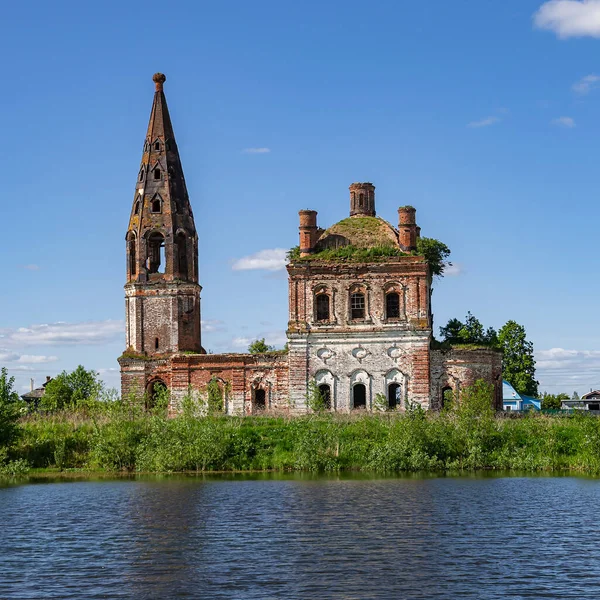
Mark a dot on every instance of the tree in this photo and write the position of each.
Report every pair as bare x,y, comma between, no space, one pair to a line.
575,396
259,346
436,254
451,332
71,389
469,332
553,401
9,409
518,365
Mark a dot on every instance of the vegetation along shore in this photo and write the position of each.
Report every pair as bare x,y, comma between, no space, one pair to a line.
121,435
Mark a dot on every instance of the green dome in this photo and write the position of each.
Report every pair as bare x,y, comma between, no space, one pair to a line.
360,232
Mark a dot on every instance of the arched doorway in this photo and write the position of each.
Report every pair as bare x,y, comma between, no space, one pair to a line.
447,396
260,400
325,391
394,391
359,396
154,391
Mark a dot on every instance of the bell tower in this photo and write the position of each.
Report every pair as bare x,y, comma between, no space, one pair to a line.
162,294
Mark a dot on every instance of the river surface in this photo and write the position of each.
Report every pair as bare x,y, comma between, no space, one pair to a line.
316,538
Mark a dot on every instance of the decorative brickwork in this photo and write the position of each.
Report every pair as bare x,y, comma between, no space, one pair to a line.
361,331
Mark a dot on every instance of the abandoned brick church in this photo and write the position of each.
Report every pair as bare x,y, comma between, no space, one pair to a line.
359,327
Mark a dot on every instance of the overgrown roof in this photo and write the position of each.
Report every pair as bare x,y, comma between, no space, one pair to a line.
360,232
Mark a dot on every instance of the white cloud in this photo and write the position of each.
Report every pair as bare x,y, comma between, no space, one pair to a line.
36,359
90,332
241,342
453,270
559,369
275,338
30,359
484,122
585,84
210,325
569,18
256,150
567,122
268,260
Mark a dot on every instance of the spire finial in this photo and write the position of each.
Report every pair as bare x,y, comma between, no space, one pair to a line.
159,79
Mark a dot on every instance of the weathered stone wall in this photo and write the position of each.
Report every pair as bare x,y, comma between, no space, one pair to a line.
240,376
374,351
460,367
167,311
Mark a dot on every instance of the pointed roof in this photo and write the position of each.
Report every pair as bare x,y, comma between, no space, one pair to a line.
160,125
161,175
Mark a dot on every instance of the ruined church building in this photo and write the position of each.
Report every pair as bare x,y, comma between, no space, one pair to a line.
356,329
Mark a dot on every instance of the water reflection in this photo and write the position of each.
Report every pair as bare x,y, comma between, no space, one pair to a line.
301,537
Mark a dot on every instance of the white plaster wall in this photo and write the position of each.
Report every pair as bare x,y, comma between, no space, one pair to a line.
372,358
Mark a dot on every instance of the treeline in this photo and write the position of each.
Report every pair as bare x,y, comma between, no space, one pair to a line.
122,436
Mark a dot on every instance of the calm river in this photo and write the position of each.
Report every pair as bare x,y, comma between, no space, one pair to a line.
268,538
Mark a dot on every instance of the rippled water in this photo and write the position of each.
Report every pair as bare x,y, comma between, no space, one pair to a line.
301,538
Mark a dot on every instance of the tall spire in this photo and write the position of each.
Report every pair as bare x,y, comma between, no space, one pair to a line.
161,206
162,291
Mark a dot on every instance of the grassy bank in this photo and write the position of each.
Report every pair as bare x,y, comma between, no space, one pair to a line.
466,438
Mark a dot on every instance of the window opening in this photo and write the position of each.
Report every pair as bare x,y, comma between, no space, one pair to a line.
137,208
447,396
359,396
361,199
132,258
157,145
182,256
156,343
393,396
141,174
156,253
157,173
156,205
392,305
260,399
357,306
322,307
325,391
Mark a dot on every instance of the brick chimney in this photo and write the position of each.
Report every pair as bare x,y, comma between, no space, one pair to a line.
362,199
407,228
308,231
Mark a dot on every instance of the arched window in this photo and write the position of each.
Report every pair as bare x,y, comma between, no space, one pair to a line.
361,199
142,174
322,307
156,208
359,396
136,210
260,400
325,391
357,305
392,305
132,254
157,145
157,173
182,259
156,248
394,396
156,344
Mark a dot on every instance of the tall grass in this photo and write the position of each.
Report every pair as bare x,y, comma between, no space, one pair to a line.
122,437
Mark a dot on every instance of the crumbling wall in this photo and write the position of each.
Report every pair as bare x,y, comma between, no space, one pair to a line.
457,368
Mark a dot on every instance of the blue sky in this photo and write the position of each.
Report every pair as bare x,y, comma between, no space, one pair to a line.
485,115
